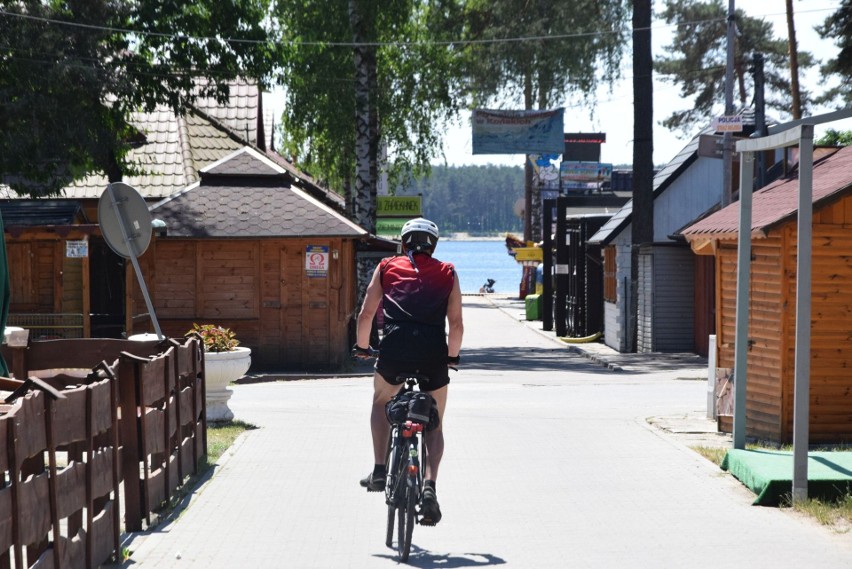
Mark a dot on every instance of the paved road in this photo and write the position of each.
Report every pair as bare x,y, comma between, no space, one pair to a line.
550,463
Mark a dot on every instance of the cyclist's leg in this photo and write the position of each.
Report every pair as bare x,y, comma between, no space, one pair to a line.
382,393
435,438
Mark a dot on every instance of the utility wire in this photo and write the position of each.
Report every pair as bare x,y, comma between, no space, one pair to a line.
349,44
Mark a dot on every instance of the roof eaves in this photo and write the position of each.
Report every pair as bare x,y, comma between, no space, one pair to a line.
174,196
306,196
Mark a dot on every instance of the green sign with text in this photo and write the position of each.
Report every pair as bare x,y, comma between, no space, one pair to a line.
398,206
390,227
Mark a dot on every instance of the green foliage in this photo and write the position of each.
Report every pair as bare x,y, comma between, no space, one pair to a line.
838,27
474,199
537,52
698,55
834,137
414,90
214,338
72,72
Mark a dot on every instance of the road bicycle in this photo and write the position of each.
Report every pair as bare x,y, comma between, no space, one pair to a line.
409,415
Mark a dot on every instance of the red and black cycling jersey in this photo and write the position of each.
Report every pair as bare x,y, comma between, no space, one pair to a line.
414,306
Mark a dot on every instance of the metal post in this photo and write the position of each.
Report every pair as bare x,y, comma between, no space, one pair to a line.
131,252
547,267
801,410
561,267
743,284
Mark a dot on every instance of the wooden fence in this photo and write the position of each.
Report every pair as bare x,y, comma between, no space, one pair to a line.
102,427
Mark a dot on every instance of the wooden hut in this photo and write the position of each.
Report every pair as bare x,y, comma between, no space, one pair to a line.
54,269
772,305
247,249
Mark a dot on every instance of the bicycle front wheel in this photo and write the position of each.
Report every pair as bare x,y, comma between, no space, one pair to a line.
408,501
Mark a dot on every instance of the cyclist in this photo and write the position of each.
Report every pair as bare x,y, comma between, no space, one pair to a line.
418,293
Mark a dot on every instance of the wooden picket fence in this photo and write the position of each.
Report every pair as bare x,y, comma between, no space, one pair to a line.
100,428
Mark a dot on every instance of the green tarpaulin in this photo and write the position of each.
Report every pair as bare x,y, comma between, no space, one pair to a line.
769,474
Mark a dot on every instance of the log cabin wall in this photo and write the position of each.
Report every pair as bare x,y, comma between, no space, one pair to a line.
49,291
261,290
831,325
772,327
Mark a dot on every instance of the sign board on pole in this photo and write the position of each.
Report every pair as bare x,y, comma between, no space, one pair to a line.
396,206
517,132
728,123
390,227
528,254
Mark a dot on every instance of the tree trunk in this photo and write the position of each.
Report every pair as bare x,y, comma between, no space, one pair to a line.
361,200
796,109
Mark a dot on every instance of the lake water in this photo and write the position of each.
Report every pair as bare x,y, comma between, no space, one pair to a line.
478,261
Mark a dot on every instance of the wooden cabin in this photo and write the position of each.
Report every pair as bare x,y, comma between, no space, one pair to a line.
56,270
247,249
772,305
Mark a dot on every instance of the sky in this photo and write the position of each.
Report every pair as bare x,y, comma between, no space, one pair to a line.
614,112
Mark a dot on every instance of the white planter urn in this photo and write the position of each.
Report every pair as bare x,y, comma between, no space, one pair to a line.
221,368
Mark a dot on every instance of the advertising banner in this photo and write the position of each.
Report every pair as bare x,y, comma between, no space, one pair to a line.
585,172
517,132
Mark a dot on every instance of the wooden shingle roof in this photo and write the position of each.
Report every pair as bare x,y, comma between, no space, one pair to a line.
777,203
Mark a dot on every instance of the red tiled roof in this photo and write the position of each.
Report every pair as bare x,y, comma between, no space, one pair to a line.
778,202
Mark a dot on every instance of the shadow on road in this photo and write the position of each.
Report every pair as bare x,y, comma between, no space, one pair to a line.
426,560
528,359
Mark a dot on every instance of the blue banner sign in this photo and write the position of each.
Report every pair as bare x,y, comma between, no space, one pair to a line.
586,172
517,132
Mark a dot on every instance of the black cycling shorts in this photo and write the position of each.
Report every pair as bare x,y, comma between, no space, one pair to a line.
438,374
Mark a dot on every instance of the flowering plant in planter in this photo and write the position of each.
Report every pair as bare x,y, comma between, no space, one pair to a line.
215,338
225,361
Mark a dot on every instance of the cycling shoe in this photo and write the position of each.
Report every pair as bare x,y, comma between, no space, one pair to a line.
429,509
373,483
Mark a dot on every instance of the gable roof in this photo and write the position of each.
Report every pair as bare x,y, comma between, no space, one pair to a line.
662,180
778,202
246,195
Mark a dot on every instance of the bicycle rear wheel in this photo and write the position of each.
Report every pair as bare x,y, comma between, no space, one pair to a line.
407,504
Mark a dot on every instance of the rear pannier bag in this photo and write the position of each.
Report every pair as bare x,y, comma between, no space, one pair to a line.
414,406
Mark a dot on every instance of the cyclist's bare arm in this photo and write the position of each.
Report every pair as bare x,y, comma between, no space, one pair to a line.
454,318
368,310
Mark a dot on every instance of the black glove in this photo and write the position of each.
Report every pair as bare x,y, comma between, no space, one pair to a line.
453,361
360,353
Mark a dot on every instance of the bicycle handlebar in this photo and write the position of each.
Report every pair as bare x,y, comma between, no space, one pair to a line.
368,353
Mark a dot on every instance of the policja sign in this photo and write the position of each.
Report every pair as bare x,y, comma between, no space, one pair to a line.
728,123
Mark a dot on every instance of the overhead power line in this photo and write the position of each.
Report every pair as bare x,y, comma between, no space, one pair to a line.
396,43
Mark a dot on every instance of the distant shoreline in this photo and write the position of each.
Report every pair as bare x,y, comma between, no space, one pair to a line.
463,236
